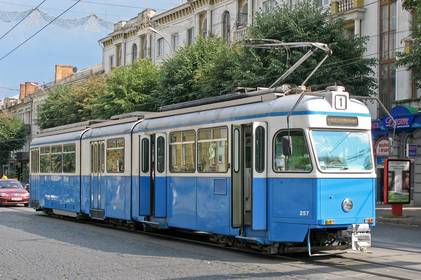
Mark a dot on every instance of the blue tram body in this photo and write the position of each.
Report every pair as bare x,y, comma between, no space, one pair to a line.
232,169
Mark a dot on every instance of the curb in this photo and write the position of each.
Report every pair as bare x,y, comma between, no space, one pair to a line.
409,221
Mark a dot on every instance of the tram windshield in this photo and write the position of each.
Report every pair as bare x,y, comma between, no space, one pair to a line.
342,150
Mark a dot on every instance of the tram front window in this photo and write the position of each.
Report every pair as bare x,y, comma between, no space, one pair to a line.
342,150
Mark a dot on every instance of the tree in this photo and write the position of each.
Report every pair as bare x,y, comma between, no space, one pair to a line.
12,135
67,104
200,70
210,67
128,89
307,22
411,58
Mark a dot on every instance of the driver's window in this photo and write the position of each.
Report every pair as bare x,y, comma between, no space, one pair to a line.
290,152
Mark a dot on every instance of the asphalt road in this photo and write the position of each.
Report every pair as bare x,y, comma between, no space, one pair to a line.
35,246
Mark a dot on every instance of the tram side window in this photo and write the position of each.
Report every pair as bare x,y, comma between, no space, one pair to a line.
45,159
212,148
35,160
260,149
160,154
115,155
145,155
69,158
183,151
56,159
295,160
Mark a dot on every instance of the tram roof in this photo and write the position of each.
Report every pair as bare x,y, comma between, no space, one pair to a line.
266,107
57,138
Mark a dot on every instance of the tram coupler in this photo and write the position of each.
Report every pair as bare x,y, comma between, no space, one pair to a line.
360,237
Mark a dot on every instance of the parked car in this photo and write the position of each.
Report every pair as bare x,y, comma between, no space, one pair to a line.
13,193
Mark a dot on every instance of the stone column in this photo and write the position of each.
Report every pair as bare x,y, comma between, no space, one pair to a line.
196,26
249,12
209,22
357,27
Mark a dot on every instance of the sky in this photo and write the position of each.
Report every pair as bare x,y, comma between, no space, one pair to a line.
67,43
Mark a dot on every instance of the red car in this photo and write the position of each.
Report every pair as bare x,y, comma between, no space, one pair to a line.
12,193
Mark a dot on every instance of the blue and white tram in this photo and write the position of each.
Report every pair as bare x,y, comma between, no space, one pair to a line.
248,169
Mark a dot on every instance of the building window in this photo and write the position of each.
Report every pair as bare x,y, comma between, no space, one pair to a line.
119,54
134,52
174,41
226,26
183,151
269,5
387,71
115,155
161,47
242,13
190,33
111,60
203,27
212,149
143,46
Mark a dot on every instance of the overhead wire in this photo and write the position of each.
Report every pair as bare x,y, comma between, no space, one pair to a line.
22,19
39,31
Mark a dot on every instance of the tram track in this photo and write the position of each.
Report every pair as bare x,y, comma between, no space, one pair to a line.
338,261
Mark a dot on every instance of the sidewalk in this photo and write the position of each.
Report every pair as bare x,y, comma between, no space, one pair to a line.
410,216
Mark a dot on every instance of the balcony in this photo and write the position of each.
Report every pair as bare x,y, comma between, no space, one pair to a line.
348,9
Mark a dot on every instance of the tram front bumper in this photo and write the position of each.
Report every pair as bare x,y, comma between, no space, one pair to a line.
360,237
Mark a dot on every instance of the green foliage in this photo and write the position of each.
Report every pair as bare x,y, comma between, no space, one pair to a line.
128,89
210,67
412,57
307,22
200,70
12,135
70,103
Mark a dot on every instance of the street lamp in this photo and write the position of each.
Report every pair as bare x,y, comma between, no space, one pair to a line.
162,35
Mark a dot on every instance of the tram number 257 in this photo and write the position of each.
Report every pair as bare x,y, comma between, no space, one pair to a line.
304,213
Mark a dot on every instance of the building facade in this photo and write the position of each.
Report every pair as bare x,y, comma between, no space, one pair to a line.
158,35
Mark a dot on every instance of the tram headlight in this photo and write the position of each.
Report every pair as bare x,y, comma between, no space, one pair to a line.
347,205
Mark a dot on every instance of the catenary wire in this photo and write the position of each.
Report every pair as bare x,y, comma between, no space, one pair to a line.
25,17
39,31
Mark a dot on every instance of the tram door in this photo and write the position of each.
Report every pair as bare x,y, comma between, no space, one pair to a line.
242,169
147,175
259,184
97,171
249,148
160,178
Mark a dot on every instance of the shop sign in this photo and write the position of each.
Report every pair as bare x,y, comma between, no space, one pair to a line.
411,150
397,181
400,122
382,147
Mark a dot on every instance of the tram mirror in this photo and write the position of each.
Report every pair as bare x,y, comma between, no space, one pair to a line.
397,181
286,146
